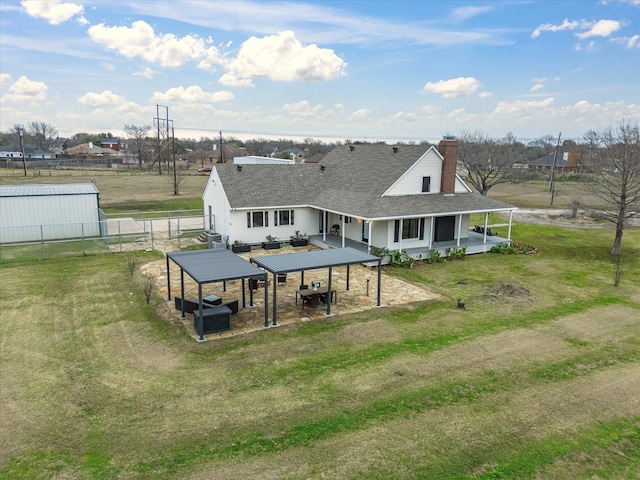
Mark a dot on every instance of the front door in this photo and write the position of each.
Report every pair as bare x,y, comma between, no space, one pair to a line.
365,231
445,228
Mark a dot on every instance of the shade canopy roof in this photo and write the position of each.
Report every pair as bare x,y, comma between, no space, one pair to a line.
296,262
214,265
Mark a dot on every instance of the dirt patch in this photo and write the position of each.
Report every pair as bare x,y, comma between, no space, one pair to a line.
507,292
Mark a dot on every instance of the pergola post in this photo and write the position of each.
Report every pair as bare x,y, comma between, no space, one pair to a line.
348,269
329,292
510,219
244,295
182,293
275,289
379,279
168,280
200,331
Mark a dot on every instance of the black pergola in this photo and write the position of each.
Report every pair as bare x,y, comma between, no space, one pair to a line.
314,260
215,265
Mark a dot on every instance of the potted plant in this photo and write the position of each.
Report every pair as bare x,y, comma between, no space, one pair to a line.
299,239
240,247
271,243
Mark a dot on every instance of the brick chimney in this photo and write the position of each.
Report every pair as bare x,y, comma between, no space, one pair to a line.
448,148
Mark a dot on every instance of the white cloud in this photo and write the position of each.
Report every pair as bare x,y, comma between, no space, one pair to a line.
53,11
302,109
232,81
430,109
548,27
140,41
4,77
454,88
537,86
628,42
282,58
464,13
145,72
101,100
108,66
522,107
360,114
25,90
602,28
192,95
404,117
485,95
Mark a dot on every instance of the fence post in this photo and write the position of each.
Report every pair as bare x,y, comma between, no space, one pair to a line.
41,242
178,234
119,236
169,226
151,225
82,227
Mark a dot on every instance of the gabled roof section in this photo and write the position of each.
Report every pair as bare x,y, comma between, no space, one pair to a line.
347,181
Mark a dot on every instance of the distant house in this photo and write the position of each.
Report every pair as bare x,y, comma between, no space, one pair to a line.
395,197
316,158
568,159
112,143
90,150
31,152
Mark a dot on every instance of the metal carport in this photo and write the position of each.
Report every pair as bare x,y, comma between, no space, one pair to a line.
314,260
215,265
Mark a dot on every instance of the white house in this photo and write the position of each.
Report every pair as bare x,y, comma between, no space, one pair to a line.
405,197
48,212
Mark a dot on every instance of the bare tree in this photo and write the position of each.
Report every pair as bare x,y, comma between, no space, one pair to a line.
42,134
488,162
138,139
616,178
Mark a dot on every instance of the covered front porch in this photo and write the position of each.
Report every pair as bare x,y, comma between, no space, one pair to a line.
474,243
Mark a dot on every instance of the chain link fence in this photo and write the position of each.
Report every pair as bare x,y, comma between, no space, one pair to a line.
113,233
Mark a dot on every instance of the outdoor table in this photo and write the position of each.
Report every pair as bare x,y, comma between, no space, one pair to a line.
212,300
312,297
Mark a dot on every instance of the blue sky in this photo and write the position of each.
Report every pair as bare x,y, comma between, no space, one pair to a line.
363,70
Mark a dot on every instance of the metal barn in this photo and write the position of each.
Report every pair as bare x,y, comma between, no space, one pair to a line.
48,212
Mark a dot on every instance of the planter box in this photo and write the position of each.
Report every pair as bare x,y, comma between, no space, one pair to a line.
299,242
270,245
240,248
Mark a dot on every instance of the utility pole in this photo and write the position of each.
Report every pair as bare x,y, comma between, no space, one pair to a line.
20,129
163,135
552,180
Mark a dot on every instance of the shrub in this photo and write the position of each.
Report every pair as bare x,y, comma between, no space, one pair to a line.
435,256
400,258
456,253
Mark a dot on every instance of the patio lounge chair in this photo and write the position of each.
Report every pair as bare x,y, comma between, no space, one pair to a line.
335,229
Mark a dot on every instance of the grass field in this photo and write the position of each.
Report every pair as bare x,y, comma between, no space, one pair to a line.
538,378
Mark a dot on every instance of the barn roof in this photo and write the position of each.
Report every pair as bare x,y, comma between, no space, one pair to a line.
48,190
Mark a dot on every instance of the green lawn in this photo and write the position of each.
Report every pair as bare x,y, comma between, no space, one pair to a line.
538,378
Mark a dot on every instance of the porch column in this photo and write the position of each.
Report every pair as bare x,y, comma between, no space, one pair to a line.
486,221
342,227
510,219
431,232
400,234
324,226
459,228
369,238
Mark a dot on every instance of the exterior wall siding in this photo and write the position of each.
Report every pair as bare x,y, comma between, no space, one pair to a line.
48,217
429,165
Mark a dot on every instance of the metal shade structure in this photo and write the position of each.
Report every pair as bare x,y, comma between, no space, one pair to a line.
315,260
214,265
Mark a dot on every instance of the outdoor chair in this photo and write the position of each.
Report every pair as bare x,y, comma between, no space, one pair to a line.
282,278
335,229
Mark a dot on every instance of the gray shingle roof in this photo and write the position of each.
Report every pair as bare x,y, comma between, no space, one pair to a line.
352,183
44,190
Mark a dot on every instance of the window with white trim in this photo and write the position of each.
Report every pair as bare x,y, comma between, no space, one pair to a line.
283,217
257,219
426,184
